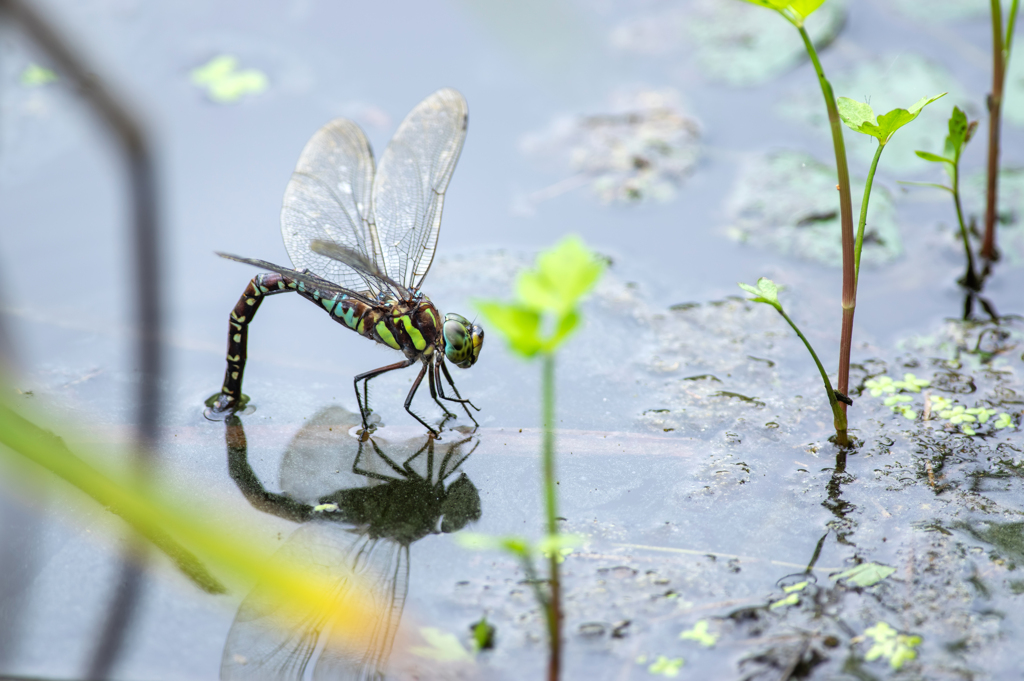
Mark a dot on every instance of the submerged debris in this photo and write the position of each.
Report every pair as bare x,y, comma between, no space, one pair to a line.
640,150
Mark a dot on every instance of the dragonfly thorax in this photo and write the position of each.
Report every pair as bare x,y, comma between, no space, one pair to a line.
462,340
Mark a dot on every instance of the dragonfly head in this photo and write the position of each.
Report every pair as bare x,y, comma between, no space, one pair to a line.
462,340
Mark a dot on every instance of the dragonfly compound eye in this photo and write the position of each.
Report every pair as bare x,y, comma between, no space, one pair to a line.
462,340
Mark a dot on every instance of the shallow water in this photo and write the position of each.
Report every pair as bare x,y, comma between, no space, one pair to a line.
693,447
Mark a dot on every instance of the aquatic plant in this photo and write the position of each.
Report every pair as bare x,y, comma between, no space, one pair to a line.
859,117
1001,44
535,325
960,133
796,12
889,644
767,292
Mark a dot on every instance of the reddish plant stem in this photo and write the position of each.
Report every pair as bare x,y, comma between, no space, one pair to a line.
995,106
846,222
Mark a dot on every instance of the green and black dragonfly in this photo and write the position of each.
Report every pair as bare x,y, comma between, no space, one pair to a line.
361,240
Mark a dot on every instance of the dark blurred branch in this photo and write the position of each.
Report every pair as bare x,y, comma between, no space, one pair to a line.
148,303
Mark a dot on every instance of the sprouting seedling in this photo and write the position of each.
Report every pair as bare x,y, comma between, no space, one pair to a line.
860,117
767,292
960,133
544,314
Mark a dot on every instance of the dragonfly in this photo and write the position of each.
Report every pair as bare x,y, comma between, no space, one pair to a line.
361,240
391,496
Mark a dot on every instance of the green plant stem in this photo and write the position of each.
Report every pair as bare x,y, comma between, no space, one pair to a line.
838,415
864,220
846,222
970,279
995,105
554,609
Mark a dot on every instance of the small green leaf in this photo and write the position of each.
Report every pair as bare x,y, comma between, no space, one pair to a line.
862,118
441,646
1003,421
766,292
890,645
483,634
794,588
519,325
566,325
476,541
563,276
801,9
934,158
35,75
882,384
791,599
865,574
805,7
855,114
224,82
958,134
700,634
663,666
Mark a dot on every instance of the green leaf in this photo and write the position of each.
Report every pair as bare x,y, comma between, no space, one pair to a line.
476,541
934,158
791,599
856,114
794,588
224,82
563,275
805,7
35,75
483,634
891,645
441,646
700,634
958,134
766,292
664,666
801,9
889,123
865,574
519,325
566,325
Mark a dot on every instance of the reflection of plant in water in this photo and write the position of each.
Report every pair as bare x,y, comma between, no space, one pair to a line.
364,529
537,323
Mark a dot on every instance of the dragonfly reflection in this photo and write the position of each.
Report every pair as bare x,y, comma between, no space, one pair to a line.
361,504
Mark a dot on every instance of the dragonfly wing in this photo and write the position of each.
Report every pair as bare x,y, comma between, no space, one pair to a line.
270,640
408,191
385,565
328,198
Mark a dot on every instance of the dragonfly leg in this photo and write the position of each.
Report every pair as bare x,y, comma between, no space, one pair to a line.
434,376
412,393
458,397
364,404
230,397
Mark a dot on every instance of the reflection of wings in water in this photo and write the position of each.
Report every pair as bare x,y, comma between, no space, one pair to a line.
261,646
386,496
